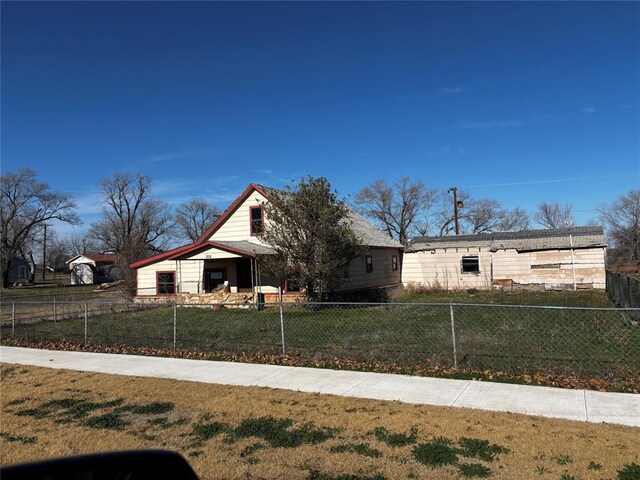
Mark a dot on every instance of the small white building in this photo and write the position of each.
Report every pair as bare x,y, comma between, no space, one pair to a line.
231,250
90,268
566,258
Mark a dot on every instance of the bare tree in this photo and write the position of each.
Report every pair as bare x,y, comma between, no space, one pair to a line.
514,220
443,215
58,251
78,244
194,217
554,215
134,225
398,208
25,205
622,221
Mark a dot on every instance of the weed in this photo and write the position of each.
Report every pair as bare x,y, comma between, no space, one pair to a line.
279,432
17,401
195,453
253,460
541,470
363,449
631,471
481,449
594,466
109,421
205,431
474,470
18,438
566,476
436,453
563,459
396,439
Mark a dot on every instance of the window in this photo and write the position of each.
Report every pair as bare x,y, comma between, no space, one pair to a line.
394,263
256,220
292,285
471,264
166,283
368,261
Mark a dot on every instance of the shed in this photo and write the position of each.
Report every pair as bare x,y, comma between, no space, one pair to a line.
19,271
564,258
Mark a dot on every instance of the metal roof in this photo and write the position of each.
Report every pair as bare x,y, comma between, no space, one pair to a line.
246,246
526,240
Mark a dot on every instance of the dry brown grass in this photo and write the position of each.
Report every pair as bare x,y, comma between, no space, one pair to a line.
536,446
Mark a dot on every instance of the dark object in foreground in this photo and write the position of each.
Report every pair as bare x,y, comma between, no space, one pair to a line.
125,465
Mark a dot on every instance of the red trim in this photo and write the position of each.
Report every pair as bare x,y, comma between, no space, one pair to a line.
231,209
160,256
173,272
251,209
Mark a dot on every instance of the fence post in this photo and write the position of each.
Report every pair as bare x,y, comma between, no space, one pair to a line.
86,322
13,319
175,323
281,320
55,314
453,337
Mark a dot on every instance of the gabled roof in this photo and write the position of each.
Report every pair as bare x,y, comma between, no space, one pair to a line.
96,257
232,208
365,231
526,240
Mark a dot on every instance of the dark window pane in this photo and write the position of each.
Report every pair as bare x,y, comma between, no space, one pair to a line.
256,220
470,264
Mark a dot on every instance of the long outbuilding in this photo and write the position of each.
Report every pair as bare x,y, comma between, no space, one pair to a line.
564,258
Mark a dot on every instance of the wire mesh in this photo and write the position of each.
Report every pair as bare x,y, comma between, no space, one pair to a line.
600,343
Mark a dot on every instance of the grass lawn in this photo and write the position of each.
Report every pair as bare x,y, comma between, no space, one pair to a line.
241,432
601,344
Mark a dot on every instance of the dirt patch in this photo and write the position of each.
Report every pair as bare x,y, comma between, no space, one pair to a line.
243,432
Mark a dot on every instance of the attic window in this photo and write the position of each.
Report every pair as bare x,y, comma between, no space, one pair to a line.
256,220
471,264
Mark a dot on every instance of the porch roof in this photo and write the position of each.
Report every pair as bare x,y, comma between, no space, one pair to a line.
242,248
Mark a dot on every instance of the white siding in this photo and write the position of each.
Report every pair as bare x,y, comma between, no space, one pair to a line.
442,268
237,226
382,274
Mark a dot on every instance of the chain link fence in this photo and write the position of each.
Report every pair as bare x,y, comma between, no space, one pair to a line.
596,342
624,289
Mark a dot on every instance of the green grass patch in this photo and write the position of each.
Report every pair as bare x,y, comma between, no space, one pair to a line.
164,422
396,439
109,421
201,432
594,466
630,471
363,449
18,438
280,432
436,453
481,449
469,470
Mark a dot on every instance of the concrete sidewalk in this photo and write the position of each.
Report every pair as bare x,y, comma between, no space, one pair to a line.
583,405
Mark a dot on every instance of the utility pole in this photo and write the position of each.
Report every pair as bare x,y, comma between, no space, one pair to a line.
455,208
44,254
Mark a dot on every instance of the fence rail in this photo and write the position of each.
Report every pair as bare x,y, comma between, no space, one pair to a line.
598,342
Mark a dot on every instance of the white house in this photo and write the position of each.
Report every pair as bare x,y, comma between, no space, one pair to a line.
230,251
565,258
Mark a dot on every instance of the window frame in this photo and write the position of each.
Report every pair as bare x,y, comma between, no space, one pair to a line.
368,263
175,283
394,263
288,290
462,264
251,220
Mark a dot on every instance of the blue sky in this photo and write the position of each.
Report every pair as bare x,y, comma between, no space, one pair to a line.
522,102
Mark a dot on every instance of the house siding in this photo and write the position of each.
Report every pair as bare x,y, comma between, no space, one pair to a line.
549,268
382,274
237,226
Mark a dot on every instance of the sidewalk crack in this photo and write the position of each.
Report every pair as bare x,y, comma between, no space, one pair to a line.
460,394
